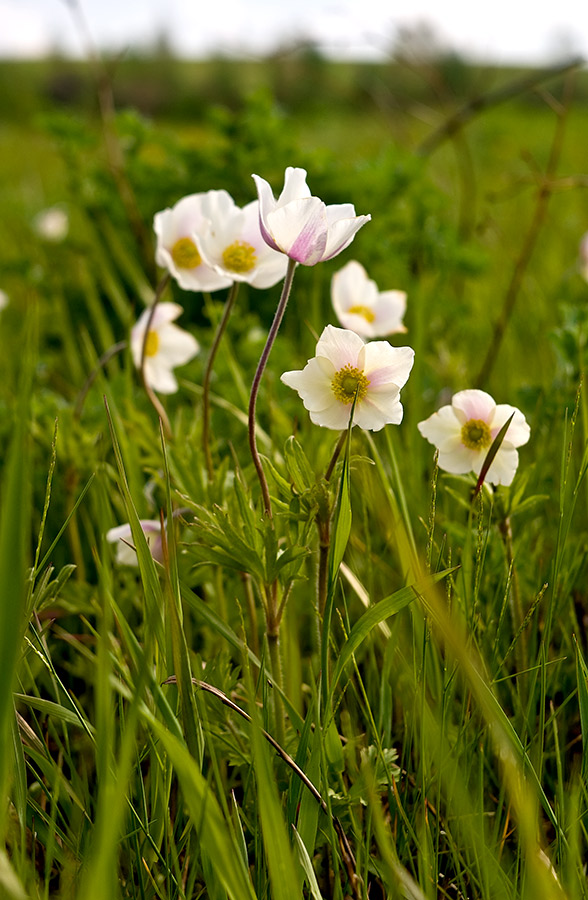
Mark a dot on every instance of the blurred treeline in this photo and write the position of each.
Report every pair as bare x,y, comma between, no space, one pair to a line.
158,84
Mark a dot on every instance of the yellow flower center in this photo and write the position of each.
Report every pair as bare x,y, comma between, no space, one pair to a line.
364,311
152,344
348,382
185,254
475,435
239,257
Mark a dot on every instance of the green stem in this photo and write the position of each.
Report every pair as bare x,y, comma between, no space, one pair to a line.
207,376
279,315
103,361
335,456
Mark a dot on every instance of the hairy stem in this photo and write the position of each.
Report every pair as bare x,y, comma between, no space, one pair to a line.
279,315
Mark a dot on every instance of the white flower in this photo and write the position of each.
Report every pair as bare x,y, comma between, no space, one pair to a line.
177,230
233,244
302,226
3,299
52,224
361,307
343,367
122,536
464,431
167,346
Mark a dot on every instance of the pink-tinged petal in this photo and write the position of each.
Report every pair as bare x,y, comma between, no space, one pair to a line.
460,460
474,404
300,229
385,363
340,346
375,411
442,429
518,432
341,233
504,466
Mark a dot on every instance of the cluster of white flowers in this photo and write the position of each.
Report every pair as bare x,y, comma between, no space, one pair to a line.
206,242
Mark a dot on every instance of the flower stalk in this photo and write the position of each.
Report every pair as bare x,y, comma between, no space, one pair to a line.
279,315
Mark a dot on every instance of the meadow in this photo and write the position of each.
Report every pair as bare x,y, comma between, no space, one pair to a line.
334,669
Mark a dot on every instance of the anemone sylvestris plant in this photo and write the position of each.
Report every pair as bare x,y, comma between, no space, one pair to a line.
320,658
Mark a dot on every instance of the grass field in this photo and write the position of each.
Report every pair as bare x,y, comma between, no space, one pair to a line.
354,673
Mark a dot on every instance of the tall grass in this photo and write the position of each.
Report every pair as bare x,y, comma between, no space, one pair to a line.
420,728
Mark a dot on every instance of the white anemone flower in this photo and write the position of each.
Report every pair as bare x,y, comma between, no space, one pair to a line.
463,433
177,229
167,346
360,306
52,224
233,244
302,226
343,368
122,536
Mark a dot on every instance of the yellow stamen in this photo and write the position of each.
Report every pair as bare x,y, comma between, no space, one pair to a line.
364,311
475,435
185,254
347,382
239,257
152,344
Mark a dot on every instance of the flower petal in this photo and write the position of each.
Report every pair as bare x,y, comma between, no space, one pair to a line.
385,363
341,233
300,229
442,429
176,346
504,466
340,346
474,404
518,432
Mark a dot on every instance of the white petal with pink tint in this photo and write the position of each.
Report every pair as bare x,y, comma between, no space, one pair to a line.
360,306
454,428
302,226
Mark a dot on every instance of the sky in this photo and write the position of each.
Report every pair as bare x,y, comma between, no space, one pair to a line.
504,31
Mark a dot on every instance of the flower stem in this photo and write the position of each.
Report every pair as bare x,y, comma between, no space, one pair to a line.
222,325
335,456
155,402
103,361
324,530
279,315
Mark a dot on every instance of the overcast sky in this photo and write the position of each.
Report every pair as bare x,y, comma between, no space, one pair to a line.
502,31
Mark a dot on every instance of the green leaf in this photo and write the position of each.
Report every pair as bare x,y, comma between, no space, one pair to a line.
306,864
582,679
387,607
299,468
214,832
